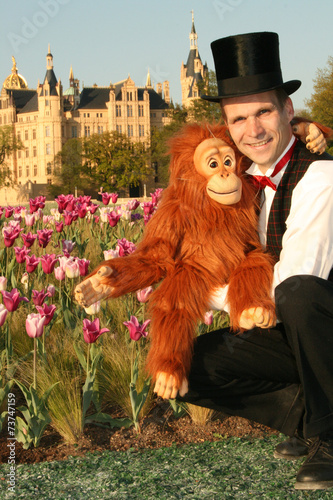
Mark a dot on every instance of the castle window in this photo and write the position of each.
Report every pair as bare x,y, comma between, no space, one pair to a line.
46,92
119,129
46,102
140,109
87,131
34,151
18,136
48,168
26,135
47,131
27,152
35,171
34,133
130,130
129,111
74,131
99,130
27,171
48,149
20,171
49,181
118,110
141,130
129,96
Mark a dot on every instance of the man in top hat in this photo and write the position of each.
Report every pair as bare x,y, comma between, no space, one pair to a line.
281,376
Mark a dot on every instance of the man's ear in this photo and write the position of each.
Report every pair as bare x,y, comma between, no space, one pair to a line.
289,109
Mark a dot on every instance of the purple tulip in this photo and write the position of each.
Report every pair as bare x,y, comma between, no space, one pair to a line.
47,312
28,239
34,325
39,297
91,330
44,237
12,299
31,262
136,330
68,246
48,263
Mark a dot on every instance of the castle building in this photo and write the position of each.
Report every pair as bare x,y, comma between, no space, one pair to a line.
193,71
46,117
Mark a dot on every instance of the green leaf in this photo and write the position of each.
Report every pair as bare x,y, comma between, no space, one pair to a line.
80,354
104,418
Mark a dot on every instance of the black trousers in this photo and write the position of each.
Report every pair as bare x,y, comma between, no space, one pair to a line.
281,377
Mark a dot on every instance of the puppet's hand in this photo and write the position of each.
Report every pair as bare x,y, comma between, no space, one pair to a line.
91,290
312,135
256,316
167,388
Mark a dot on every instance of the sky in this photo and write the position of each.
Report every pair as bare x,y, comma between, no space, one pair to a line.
107,40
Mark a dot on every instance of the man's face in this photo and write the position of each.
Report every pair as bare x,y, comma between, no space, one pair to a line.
259,127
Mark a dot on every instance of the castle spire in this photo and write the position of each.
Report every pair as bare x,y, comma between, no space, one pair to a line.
193,35
49,59
148,81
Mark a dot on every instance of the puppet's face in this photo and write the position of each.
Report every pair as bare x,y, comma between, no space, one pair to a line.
216,161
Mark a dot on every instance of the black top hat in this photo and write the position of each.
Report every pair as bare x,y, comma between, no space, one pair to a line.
248,64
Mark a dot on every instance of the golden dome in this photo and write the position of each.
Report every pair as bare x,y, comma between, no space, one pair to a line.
14,80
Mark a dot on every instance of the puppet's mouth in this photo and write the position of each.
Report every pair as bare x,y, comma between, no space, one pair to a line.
222,194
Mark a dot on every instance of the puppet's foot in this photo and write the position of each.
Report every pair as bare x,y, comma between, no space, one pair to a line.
91,290
167,388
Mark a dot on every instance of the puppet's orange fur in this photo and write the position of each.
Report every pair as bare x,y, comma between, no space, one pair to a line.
194,245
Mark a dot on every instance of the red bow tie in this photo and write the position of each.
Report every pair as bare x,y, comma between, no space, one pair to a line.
261,181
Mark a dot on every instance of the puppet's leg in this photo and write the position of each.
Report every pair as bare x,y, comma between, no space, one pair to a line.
250,286
176,306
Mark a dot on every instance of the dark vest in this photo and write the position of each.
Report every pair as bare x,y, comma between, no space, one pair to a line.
298,165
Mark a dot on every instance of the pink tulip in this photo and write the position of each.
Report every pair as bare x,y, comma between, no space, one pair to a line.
44,237
31,262
34,325
1,212
51,290
28,239
91,330
41,201
92,208
3,282
72,269
62,201
39,297
114,197
147,218
143,295
9,236
125,247
48,263
68,218
47,312
59,273
12,299
106,197
33,205
3,314
110,254
208,318
29,219
83,266
113,218
82,211
59,226
136,330
156,196
148,207
133,204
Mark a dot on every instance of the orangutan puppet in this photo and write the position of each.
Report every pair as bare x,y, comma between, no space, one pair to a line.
202,236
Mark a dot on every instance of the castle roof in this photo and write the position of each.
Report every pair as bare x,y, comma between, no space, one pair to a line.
21,99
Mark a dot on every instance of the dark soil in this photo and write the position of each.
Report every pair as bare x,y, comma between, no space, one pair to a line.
159,429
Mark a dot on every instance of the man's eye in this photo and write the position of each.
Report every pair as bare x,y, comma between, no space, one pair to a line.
263,111
213,164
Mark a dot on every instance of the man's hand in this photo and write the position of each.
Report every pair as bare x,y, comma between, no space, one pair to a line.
256,316
91,290
167,388
312,135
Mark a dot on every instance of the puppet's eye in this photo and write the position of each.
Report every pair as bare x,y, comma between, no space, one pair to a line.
213,164
227,162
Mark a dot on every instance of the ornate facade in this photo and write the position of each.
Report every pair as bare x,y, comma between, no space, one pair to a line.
46,117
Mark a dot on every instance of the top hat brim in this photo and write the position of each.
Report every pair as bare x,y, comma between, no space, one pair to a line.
289,87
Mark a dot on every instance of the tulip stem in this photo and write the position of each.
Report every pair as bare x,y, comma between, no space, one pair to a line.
35,364
88,355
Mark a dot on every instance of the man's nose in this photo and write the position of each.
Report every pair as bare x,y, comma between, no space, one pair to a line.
254,127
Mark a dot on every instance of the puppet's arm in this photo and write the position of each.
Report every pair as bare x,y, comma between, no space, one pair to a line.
249,292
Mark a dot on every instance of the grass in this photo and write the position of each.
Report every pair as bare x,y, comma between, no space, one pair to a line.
230,469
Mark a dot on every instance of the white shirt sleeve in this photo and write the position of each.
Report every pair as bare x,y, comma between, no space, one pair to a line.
307,244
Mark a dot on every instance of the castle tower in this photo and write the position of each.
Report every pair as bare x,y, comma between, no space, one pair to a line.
193,71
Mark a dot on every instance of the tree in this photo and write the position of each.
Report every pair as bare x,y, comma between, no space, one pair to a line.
205,110
112,159
8,145
68,173
321,102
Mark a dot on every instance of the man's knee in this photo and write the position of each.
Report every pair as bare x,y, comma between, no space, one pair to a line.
297,294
